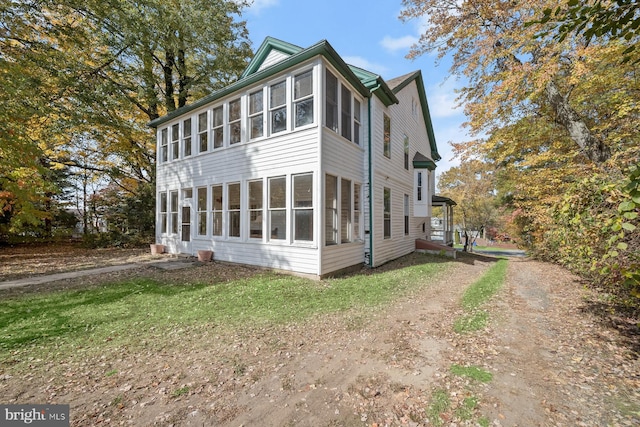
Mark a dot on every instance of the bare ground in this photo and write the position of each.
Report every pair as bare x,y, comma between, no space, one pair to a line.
555,360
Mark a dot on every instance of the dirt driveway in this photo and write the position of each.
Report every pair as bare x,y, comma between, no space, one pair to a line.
553,361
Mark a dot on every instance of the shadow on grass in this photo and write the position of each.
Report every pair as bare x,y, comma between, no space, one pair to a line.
53,315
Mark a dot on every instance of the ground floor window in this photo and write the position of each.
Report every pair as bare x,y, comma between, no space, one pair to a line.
387,212
255,209
216,210
278,208
163,213
202,211
173,207
331,210
303,207
233,197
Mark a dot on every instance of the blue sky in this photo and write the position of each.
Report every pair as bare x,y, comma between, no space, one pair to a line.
367,34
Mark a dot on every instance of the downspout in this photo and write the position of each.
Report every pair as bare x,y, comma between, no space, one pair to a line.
370,188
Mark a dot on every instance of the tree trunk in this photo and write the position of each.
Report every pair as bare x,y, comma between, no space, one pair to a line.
183,79
167,67
566,116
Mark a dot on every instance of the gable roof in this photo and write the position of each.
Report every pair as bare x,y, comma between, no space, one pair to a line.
399,83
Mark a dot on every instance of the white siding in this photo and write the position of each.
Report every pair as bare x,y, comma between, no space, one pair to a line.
274,57
345,160
390,173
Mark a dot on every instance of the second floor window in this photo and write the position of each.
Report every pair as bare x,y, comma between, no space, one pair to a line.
331,101
278,107
164,141
218,127
175,141
203,140
235,134
346,112
406,152
186,137
356,121
387,136
303,99
256,106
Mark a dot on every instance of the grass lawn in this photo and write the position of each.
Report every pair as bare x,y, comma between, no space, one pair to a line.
147,312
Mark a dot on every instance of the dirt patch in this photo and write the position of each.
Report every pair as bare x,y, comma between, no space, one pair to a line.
553,362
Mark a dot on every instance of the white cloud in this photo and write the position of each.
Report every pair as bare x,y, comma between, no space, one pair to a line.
401,43
256,6
442,100
365,64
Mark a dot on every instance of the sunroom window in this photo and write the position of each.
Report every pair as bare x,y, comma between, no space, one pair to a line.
346,112
203,140
278,107
255,114
356,121
235,135
218,128
202,211
303,207
234,209
163,213
331,210
186,137
164,148
216,210
303,99
277,207
175,141
331,101
255,209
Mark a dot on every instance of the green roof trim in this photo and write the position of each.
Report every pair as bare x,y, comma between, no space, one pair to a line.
322,48
417,76
376,85
420,161
265,49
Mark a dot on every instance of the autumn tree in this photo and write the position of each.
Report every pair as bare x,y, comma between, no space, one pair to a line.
555,109
99,71
472,186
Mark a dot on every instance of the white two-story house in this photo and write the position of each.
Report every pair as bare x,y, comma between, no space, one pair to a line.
305,164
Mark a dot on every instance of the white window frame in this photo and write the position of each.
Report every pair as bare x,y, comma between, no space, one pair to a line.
217,128
217,210
299,206
275,109
256,214
187,129
386,218
164,145
300,99
258,114
203,132
233,210
201,209
233,122
175,141
273,235
386,135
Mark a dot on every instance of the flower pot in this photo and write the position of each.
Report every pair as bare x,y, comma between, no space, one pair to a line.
205,256
157,249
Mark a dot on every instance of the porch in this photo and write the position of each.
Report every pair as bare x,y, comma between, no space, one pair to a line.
442,220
